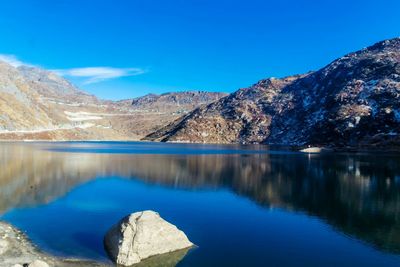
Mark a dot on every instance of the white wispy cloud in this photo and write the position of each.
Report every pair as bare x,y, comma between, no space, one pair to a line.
12,60
89,74
98,74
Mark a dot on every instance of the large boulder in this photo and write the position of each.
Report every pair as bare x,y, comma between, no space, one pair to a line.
142,235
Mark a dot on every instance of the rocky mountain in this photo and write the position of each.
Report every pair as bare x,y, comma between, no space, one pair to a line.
20,107
352,101
175,102
37,104
49,85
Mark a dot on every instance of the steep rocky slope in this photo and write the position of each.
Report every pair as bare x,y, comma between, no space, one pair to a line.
16,101
37,104
352,101
174,102
53,87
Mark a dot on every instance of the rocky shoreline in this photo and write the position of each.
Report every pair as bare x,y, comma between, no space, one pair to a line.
17,250
140,239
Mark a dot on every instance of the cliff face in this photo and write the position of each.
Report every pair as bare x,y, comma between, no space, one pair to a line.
352,101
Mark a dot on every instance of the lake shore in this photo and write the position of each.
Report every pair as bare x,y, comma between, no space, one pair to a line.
17,250
380,148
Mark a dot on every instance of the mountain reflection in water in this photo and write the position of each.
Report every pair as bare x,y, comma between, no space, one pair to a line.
358,194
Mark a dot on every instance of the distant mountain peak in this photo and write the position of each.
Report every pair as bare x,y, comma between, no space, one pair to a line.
183,101
49,84
39,104
385,44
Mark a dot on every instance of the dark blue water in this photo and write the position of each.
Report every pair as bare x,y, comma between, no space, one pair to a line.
244,206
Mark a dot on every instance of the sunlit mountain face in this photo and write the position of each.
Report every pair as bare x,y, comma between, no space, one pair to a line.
353,101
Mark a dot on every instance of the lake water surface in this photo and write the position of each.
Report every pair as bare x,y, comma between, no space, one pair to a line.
241,205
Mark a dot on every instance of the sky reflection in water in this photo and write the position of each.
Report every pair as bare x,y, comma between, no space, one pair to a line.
242,207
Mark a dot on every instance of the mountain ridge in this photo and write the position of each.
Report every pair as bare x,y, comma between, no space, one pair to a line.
37,104
181,101
351,101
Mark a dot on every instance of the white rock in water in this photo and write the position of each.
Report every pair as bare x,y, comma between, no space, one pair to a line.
141,235
311,150
315,150
38,263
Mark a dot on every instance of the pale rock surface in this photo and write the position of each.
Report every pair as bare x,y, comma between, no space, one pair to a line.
38,263
142,235
312,150
3,246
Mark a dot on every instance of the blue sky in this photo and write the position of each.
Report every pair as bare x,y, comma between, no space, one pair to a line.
122,49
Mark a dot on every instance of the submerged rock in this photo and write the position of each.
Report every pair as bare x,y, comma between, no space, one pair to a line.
164,260
142,235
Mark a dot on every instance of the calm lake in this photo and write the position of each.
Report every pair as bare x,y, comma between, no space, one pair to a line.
241,205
